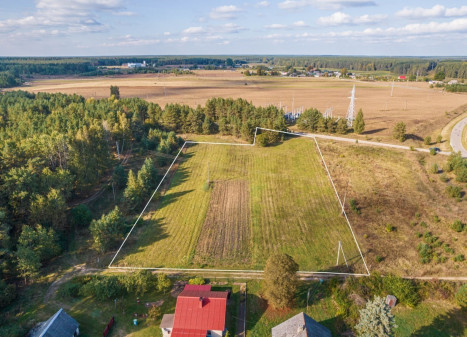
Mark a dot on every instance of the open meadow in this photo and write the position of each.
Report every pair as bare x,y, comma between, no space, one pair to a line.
422,108
259,201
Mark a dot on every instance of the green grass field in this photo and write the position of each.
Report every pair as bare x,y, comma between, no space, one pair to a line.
260,201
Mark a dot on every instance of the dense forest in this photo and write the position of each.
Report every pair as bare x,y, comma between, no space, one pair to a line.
14,70
55,148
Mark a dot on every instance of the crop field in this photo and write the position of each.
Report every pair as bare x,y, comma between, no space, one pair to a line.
259,201
420,107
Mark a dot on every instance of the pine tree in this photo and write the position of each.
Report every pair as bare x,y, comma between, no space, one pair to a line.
134,191
147,176
376,319
342,126
399,131
359,123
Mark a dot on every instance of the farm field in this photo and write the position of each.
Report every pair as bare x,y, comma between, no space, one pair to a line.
260,201
421,108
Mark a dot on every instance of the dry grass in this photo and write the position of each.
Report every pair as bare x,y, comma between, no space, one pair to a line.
391,187
423,109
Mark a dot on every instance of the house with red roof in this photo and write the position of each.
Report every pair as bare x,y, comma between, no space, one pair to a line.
200,312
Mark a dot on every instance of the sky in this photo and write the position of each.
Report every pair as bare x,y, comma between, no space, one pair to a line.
217,27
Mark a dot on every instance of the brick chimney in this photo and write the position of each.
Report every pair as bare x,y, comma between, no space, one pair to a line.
201,302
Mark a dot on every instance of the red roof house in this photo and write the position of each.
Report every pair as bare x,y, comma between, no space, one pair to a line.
402,77
199,312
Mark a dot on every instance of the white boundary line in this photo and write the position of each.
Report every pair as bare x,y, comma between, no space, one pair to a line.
239,270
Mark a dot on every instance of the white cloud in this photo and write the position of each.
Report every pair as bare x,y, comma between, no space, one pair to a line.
65,16
224,43
166,33
340,18
129,41
263,4
228,28
224,12
436,11
325,4
295,25
194,30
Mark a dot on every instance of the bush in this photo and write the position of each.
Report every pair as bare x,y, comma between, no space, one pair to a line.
81,216
102,288
444,178
439,139
454,191
399,132
197,280
458,226
354,206
434,168
405,291
433,152
459,258
69,289
461,296
425,252
390,228
154,313
427,140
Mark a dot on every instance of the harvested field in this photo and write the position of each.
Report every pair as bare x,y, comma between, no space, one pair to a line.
284,193
421,108
225,235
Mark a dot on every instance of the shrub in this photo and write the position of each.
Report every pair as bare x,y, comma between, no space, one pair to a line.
434,168
69,289
425,252
436,218
163,283
459,258
439,139
81,216
7,293
390,228
427,140
405,291
154,313
433,152
423,224
444,178
379,258
354,206
461,296
448,249
197,280
102,288
458,226
454,191
376,319
399,131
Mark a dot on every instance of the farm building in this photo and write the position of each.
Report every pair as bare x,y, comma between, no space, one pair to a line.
199,312
300,325
137,65
61,324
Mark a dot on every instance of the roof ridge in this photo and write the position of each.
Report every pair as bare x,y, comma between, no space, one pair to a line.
54,317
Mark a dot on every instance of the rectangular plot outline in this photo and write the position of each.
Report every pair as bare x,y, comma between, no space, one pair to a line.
246,271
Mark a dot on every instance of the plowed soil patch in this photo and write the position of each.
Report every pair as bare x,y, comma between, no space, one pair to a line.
225,235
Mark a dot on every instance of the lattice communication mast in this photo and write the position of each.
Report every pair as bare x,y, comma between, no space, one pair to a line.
351,109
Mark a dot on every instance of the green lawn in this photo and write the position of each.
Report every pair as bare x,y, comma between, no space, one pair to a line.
291,207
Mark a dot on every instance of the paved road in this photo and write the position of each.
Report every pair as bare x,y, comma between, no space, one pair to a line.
456,137
366,142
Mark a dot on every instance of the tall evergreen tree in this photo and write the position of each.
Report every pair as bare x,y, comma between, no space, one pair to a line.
359,123
280,280
376,319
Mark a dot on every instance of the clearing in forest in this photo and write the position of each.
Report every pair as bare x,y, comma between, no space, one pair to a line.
259,200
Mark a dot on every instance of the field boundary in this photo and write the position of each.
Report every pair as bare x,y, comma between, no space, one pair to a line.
244,271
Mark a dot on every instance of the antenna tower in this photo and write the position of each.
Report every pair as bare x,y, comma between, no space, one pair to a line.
328,113
351,109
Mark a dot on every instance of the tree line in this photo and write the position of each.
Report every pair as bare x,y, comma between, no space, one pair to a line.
56,147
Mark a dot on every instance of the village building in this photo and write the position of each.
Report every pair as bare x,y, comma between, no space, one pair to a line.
61,324
300,325
199,312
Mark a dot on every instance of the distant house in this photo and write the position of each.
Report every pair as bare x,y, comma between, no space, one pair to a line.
453,82
59,325
300,325
199,312
402,77
137,65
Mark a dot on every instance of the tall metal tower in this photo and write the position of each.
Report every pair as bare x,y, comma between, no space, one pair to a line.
351,109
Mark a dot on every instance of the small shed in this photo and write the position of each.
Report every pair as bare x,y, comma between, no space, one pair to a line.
300,325
391,300
60,324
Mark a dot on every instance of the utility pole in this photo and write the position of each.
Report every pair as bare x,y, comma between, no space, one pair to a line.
392,89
